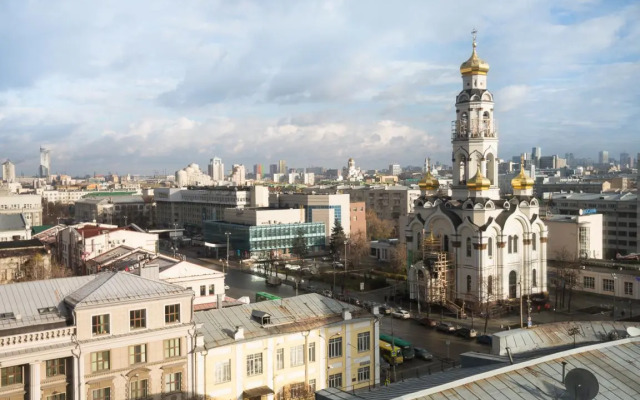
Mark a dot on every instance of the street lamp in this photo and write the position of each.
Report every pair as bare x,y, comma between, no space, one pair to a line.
614,277
227,234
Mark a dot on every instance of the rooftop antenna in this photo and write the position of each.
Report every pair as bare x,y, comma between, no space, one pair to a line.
582,384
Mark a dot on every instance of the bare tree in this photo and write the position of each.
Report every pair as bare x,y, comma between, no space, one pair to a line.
358,249
399,258
378,228
567,276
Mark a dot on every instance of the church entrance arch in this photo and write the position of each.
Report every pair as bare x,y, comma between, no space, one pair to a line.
513,285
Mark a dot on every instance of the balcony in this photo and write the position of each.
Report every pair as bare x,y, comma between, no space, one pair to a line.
473,130
40,338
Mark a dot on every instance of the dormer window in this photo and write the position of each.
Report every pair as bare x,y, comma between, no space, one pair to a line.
261,317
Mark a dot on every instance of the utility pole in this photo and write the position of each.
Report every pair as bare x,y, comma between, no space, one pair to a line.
521,322
175,236
614,277
227,234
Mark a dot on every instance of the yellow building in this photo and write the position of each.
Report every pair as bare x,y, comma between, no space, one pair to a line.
100,337
285,349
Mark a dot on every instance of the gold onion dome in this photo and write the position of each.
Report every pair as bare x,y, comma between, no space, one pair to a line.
522,181
478,182
474,65
429,182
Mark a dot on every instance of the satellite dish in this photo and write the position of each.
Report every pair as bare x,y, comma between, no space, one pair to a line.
633,331
582,384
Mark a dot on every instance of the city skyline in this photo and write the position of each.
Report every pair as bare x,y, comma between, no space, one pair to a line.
134,88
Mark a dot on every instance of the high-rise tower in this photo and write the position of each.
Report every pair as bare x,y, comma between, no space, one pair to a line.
45,163
474,138
216,169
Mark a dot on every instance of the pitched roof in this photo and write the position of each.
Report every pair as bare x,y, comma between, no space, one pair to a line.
110,287
12,222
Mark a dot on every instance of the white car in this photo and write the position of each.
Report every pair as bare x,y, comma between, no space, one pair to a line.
402,314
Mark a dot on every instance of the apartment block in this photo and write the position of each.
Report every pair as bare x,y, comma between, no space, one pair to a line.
29,205
286,349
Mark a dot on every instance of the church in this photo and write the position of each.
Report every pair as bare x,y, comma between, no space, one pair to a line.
470,244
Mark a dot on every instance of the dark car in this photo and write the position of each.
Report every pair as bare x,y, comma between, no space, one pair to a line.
384,309
446,327
428,322
484,339
466,333
423,354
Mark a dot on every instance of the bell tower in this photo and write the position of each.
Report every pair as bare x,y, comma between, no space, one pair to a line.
474,138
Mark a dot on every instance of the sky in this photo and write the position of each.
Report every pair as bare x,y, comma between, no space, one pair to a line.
146,87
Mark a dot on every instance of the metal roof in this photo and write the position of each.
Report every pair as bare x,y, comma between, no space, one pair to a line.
292,314
12,222
109,287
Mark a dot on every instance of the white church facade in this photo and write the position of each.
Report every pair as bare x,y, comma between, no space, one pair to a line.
496,247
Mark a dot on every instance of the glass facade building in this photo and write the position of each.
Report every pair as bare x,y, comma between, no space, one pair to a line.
260,240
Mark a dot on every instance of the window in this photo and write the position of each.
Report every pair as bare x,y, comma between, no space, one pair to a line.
607,285
364,373
172,348
589,282
173,382
468,283
280,359
139,389
364,341
11,375
312,352
510,245
490,247
172,313
296,390
57,396
101,394
468,247
223,371
137,354
138,319
533,241
100,324
212,289
297,355
100,361
515,244
203,290
254,364
335,380
628,288
55,367
335,347
312,385
534,278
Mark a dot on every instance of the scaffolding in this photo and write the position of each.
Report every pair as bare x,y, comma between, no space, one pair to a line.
437,262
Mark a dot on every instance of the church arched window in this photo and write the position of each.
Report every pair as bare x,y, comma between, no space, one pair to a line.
490,247
515,244
485,123
490,284
510,245
446,243
533,241
534,278
513,285
468,283
468,247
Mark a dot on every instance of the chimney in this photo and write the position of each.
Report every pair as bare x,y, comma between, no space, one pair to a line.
346,314
239,333
219,300
150,271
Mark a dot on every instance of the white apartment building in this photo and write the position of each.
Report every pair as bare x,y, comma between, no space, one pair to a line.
111,336
326,208
191,175
64,196
285,349
186,207
14,227
574,237
238,175
29,205
620,217
216,169
8,171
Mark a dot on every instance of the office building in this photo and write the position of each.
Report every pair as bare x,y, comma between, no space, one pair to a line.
536,154
45,163
282,167
325,208
29,205
626,161
8,171
394,169
603,157
216,169
573,237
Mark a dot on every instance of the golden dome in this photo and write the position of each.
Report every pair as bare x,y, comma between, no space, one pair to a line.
429,182
478,182
522,181
474,65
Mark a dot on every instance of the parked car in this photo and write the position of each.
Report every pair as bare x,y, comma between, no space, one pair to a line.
384,309
327,293
338,265
400,313
446,327
428,322
466,333
354,301
423,354
484,339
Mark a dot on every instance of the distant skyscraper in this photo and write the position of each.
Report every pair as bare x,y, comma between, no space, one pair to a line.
238,174
273,169
626,160
570,159
603,157
536,153
394,169
282,166
8,171
257,171
216,169
45,163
